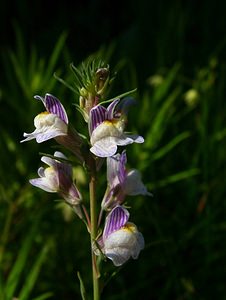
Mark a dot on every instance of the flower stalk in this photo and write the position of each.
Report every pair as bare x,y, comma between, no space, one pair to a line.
93,233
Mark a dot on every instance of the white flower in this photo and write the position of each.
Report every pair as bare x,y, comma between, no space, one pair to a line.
51,123
47,126
121,239
106,127
124,243
57,178
121,182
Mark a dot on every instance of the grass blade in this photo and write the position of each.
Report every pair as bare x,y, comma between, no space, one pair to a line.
169,146
14,276
32,276
163,89
54,57
176,177
44,296
161,120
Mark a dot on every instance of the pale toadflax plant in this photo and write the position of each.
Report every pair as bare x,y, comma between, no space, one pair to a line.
112,235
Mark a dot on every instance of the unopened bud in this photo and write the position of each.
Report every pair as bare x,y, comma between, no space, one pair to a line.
102,76
83,92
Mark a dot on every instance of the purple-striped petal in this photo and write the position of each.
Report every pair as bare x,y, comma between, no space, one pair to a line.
63,167
112,168
122,167
111,109
64,172
97,116
123,243
116,171
116,219
54,106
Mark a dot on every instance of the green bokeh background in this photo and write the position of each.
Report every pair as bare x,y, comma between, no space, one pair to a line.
165,49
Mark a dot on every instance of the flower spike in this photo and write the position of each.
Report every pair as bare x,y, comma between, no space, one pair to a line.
118,239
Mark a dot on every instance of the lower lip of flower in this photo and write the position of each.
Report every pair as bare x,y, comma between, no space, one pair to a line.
48,120
105,129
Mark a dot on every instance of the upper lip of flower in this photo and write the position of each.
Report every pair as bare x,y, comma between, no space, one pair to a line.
99,114
115,220
54,106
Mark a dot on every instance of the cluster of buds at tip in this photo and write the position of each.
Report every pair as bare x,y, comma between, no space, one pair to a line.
91,94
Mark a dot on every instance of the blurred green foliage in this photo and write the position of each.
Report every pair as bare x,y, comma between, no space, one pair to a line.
181,113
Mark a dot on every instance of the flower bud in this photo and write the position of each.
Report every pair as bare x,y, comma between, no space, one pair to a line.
102,78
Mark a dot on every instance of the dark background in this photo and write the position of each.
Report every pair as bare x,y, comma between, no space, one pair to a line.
150,33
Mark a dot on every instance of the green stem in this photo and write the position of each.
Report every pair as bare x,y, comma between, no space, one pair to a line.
93,234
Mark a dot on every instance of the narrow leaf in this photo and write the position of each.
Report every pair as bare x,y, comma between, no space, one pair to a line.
33,274
82,287
161,120
54,57
168,147
19,74
119,96
14,276
163,89
175,178
44,296
65,83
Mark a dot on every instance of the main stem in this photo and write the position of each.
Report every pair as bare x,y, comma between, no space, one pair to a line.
93,234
